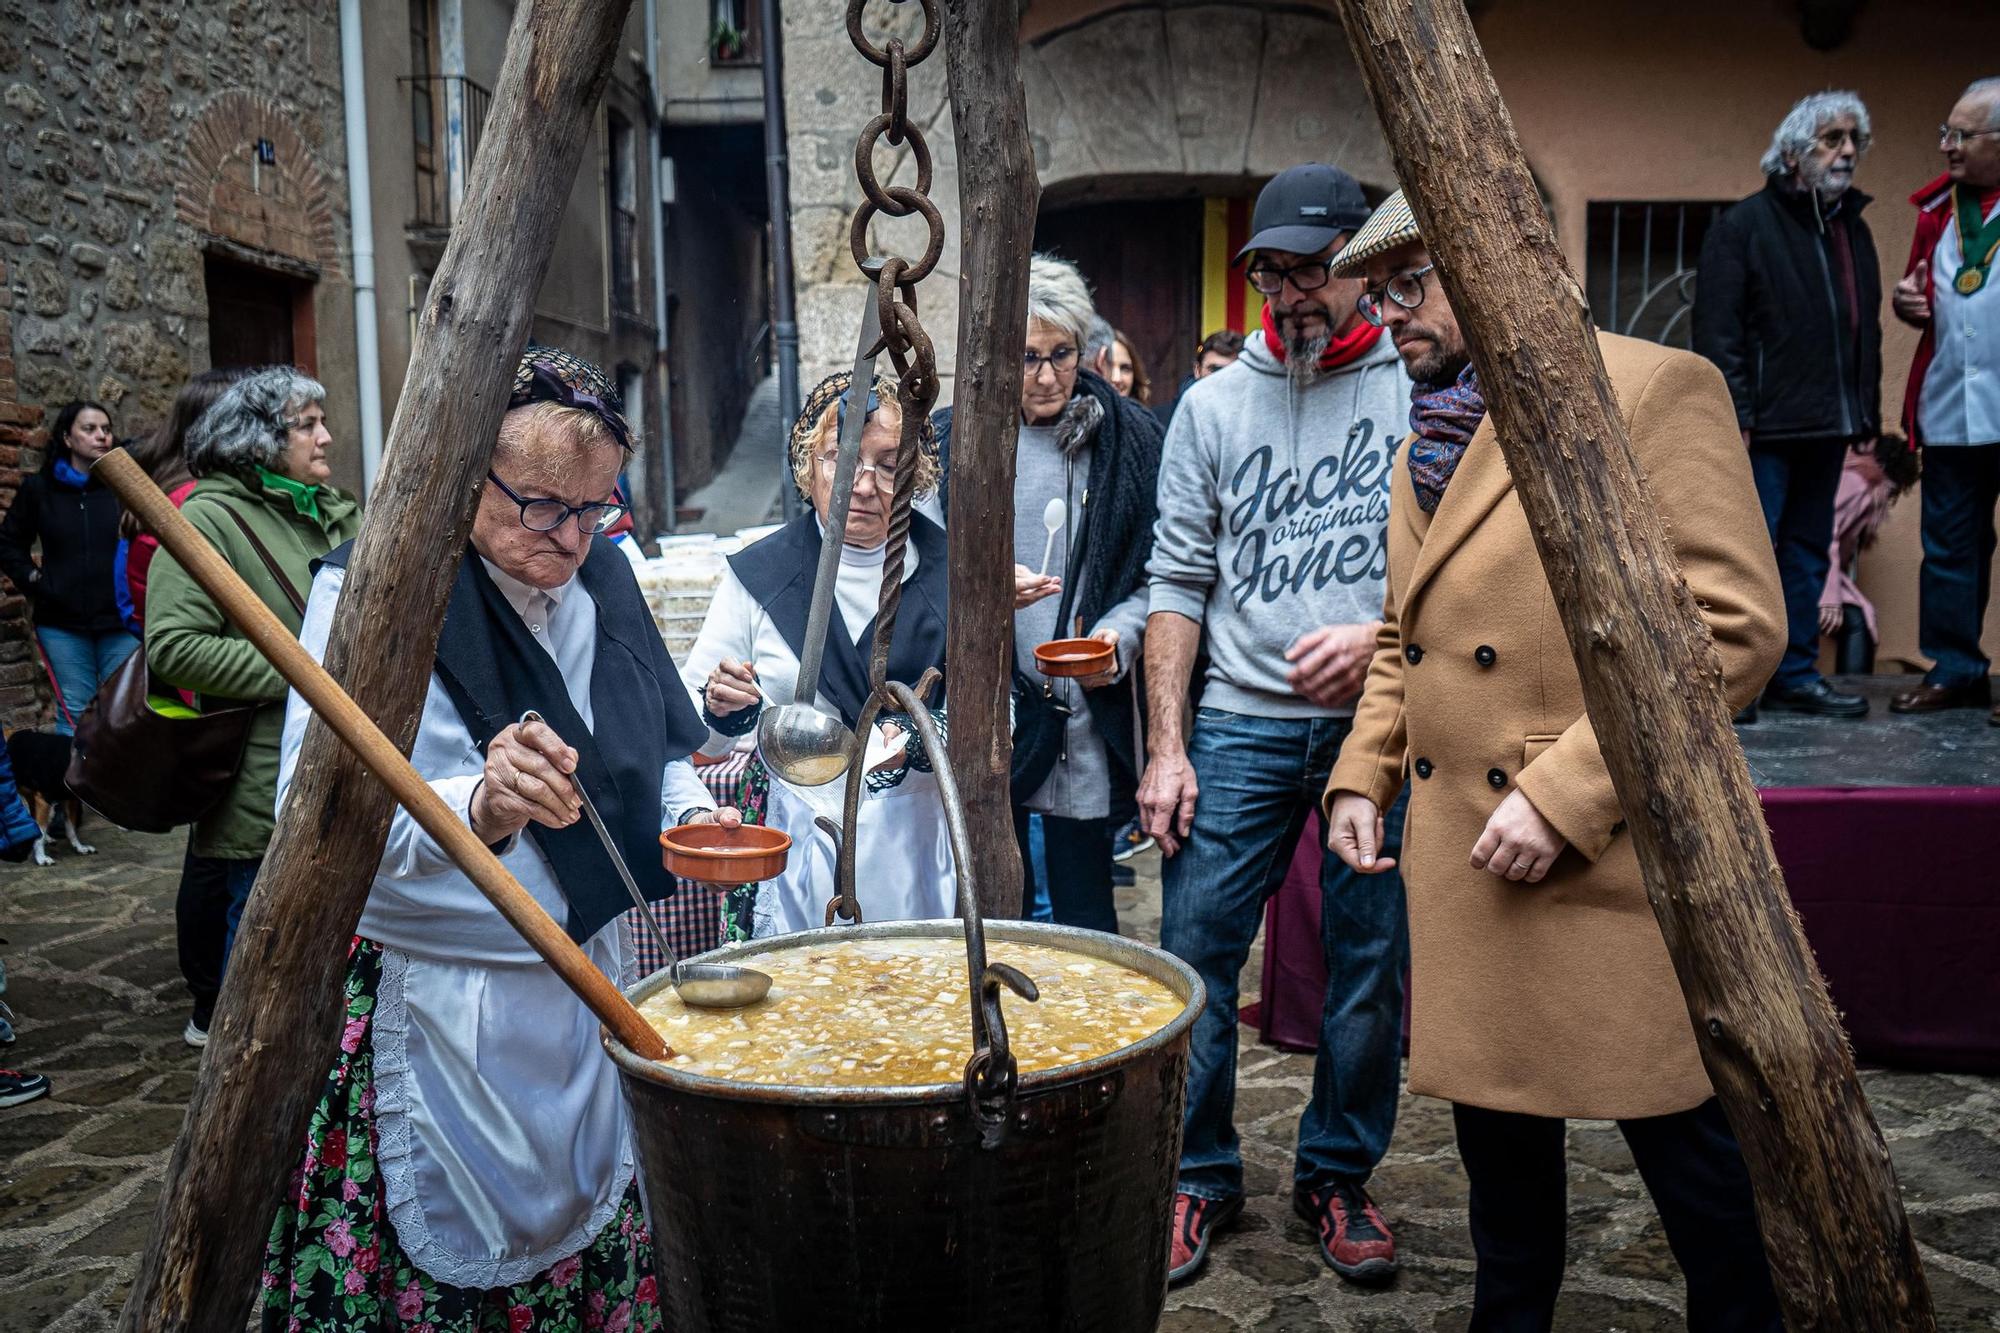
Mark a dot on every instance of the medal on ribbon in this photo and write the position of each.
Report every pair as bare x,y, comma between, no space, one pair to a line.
1978,240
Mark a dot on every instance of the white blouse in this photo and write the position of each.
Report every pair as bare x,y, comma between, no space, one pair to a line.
504,1141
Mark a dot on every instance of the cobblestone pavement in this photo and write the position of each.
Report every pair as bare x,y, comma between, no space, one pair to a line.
90,960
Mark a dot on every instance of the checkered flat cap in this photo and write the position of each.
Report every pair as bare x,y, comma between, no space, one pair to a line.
1391,225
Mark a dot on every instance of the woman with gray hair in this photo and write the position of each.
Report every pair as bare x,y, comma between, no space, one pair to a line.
262,500
1076,758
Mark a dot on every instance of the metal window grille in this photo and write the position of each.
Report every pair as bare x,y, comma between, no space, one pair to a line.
433,100
1640,266
622,187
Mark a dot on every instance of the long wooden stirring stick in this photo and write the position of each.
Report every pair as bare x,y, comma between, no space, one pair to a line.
270,637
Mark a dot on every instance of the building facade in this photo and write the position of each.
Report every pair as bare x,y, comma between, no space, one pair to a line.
1154,123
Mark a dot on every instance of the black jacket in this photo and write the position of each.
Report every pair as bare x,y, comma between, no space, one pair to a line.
1772,311
1123,485
78,530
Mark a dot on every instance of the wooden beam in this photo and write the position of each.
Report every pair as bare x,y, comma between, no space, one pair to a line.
998,192
277,1026
1841,1251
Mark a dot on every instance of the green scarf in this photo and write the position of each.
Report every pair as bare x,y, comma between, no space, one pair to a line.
304,498
1978,240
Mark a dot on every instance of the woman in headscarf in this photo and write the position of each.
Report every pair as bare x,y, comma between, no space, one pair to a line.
754,637
470,1163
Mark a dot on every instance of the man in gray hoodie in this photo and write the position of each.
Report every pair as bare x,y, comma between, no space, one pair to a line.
1273,501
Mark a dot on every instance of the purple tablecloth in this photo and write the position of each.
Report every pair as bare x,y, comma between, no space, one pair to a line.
1898,889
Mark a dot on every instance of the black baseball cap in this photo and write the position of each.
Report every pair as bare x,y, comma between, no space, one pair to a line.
1303,209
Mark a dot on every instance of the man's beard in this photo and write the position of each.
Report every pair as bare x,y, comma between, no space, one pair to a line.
1302,354
1438,364
1828,183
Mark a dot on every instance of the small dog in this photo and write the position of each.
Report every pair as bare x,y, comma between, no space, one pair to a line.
41,761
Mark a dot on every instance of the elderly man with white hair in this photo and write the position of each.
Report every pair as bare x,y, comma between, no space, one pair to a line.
1076,741
1789,308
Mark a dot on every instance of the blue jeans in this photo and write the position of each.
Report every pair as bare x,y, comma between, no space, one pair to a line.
1258,778
1961,486
240,874
1075,865
80,662
1796,484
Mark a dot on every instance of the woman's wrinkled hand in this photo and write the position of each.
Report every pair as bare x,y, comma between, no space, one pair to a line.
731,687
527,779
728,817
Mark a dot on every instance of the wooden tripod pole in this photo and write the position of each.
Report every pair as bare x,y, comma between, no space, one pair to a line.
277,1026
1841,1250
997,192
360,734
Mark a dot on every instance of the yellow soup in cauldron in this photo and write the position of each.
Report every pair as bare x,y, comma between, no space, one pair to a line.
895,1013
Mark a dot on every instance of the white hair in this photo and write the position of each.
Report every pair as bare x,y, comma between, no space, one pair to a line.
1989,91
1058,296
245,428
1803,123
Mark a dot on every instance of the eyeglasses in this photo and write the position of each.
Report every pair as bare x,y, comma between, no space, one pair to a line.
1059,360
1405,289
884,473
546,515
1832,140
1950,136
1307,277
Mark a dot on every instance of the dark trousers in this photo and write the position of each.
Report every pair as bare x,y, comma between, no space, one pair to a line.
1961,487
1692,1168
201,928
240,875
1077,853
1796,484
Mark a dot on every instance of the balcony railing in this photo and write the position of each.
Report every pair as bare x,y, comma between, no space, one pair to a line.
447,118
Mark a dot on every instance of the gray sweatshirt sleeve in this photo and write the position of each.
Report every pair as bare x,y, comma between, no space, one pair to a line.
1182,568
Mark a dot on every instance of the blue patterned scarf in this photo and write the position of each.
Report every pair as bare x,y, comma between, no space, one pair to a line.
1444,416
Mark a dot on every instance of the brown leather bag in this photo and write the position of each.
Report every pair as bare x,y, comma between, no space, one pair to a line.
146,771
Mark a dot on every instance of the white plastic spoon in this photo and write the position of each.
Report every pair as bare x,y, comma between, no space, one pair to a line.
1054,514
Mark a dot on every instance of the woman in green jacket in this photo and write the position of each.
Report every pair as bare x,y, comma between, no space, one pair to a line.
260,453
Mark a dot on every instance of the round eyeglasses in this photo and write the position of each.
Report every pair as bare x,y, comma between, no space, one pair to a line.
1060,361
1307,277
540,514
1951,137
1405,289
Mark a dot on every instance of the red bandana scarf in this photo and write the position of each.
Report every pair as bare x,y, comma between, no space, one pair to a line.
1345,348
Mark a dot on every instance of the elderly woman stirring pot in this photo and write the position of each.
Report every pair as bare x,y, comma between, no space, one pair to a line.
753,640
470,1162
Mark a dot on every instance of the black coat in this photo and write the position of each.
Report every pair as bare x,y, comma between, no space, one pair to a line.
1772,313
78,530
1123,485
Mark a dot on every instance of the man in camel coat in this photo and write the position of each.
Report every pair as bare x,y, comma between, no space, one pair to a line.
1541,986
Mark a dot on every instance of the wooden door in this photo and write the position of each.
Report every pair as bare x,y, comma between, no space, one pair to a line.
258,317
1143,262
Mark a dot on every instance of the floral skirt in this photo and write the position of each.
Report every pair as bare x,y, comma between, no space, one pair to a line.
333,1264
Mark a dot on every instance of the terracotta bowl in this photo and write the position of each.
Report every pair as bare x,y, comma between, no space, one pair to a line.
712,854
1075,657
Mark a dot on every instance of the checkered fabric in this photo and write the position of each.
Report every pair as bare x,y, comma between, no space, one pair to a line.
692,918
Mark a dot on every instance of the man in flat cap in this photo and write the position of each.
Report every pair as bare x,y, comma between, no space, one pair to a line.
1542,988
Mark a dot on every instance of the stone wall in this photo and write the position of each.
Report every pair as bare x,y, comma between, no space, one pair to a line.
20,695
129,136
1159,100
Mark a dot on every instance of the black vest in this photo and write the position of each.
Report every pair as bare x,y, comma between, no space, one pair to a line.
778,572
494,671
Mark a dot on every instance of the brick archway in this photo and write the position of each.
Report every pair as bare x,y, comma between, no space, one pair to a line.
280,209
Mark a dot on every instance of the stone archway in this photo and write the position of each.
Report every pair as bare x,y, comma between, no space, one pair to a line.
281,209
1146,96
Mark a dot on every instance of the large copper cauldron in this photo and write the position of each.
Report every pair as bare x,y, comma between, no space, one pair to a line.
924,1207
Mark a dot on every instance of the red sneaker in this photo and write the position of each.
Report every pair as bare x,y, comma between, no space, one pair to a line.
1195,1220
1353,1239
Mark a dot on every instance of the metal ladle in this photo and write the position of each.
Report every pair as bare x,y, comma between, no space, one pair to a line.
802,745
704,985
